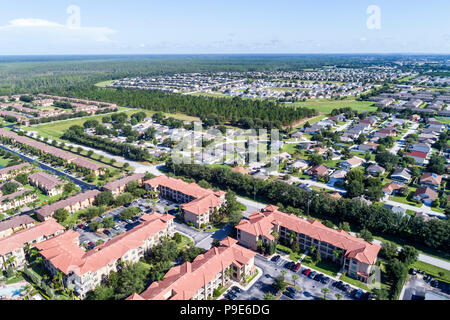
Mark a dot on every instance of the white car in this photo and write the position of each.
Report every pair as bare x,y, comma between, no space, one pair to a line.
116,227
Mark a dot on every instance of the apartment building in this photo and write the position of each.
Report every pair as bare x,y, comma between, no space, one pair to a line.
17,199
96,169
84,271
197,203
14,224
72,204
50,185
357,255
199,279
12,247
119,186
11,172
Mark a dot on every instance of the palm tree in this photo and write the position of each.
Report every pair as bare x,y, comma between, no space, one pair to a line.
337,254
325,291
283,272
338,296
295,278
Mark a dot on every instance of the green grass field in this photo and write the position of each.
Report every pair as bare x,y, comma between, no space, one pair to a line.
104,84
56,129
435,272
327,105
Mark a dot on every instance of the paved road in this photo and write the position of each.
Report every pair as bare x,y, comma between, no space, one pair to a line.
423,208
310,288
203,239
251,206
138,167
83,185
411,130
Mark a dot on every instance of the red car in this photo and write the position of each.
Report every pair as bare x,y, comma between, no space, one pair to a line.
296,267
307,272
81,226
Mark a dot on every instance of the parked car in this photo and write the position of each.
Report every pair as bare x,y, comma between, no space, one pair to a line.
307,272
339,285
359,294
353,293
289,294
413,271
434,283
345,288
289,265
318,277
236,289
116,227
312,275
291,289
325,280
275,258
129,221
296,267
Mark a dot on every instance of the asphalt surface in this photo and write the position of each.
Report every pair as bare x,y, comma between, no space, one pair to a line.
311,289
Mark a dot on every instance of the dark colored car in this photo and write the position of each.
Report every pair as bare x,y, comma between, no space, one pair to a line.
289,294
325,280
275,258
296,267
312,275
345,288
289,265
339,285
353,293
291,289
318,277
173,212
236,289
359,294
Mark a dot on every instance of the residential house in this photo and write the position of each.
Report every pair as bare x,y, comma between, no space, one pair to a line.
426,195
395,209
392,188
338,177
368,147
17,199
351,163
431,180
375,170
402,175
319,171
419,157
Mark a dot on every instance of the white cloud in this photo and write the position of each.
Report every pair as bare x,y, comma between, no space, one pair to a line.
31,35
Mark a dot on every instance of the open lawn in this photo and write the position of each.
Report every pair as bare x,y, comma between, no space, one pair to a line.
327,105
435,272
323,266
55,130
103,84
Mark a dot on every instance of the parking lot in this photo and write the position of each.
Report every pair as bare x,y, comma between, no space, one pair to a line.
420,284
310,289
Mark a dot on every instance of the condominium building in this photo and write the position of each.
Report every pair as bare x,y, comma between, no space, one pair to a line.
357,256
119,186
50,185
14,224
17,199
197,203
12,247
11,172
43,148
73,204
199,279
84,271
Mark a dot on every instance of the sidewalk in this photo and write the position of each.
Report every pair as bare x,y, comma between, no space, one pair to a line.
248,286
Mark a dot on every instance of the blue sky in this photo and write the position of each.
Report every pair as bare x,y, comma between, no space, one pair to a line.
210,26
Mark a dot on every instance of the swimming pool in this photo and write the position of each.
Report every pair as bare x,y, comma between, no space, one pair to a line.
11,291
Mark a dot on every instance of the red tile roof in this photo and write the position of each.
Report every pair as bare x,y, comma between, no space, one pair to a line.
262,223
182,282
46,180
112,186
417,154
19,239
204,198
48,210
66,255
